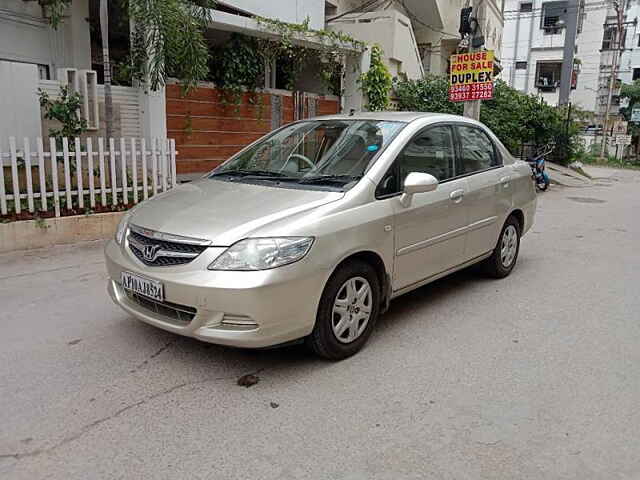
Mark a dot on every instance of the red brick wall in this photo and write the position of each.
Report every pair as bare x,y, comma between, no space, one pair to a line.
207,131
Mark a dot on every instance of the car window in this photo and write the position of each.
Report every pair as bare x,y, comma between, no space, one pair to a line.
477,152
389,184
430,151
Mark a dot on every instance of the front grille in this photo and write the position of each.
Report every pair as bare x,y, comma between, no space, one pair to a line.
164,253
180,313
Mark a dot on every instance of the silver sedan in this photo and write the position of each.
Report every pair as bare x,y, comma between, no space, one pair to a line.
310,232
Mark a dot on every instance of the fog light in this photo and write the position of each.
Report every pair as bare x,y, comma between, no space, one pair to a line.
242,321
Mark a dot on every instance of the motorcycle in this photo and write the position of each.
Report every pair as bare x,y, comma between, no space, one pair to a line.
537,164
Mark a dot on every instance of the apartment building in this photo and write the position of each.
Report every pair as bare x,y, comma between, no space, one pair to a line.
630,60
533,44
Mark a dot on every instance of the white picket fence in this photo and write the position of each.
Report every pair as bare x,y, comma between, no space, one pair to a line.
83,173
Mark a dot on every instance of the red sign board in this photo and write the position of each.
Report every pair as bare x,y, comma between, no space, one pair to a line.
465,93
471,76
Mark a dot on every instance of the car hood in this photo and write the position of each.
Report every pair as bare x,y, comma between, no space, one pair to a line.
224,212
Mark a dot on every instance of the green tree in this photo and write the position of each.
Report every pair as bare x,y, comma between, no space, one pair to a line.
516,118
168,40
237,67
54,9
632,93
428,95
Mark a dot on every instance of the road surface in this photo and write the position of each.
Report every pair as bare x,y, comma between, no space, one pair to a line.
532,377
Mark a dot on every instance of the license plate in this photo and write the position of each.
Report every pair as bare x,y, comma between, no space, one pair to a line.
142,286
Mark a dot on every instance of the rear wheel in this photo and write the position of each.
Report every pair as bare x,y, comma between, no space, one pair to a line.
504,256
348,310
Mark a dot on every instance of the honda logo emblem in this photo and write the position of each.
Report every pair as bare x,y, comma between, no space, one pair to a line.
150,252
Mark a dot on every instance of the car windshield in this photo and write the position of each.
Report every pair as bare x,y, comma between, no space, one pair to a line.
333,153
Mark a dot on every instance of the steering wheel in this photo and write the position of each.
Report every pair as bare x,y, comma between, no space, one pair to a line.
300,157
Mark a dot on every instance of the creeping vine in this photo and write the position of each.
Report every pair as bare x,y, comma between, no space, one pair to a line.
376,83
329,47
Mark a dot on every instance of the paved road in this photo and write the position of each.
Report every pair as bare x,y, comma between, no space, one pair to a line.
533,377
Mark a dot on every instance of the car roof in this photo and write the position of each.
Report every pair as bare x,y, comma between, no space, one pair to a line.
398,116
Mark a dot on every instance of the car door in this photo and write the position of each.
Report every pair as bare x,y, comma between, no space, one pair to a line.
430,231
489,188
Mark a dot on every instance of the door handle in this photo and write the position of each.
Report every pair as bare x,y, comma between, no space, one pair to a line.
456,196
505,181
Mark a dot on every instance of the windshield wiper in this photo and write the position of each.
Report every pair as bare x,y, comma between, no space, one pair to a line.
249,173
331,179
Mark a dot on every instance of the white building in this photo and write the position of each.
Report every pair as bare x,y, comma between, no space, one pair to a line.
533,46
630,61
417,36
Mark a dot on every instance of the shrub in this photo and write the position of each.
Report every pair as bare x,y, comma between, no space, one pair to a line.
376,83
64,109
516,118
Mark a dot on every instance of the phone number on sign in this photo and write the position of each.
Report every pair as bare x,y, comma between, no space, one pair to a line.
475,87
464,93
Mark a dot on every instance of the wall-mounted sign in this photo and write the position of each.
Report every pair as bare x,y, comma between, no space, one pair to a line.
623,139
471,76
620,127
635,114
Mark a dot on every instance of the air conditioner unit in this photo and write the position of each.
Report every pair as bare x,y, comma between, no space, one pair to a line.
88,80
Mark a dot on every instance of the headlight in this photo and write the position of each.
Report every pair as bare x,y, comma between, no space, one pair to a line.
121,231
262,253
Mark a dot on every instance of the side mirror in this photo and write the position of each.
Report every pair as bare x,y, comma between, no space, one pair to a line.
417,183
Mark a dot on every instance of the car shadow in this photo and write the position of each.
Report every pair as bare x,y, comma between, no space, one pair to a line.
432,294
296,358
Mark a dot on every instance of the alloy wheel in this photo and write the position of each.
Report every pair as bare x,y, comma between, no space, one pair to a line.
509,246
351,309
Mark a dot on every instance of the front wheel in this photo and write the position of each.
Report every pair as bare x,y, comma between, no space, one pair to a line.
542,184
504,256
348,310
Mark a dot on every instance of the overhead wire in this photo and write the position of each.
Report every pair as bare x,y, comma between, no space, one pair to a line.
354,10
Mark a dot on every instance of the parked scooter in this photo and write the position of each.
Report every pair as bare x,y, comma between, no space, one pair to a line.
537,164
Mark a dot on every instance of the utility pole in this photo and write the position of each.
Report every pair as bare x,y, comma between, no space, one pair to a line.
471,109
570,31
566,74
617,53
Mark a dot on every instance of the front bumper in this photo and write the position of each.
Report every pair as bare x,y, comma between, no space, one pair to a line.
241,309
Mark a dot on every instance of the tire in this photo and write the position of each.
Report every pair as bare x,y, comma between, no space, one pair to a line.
340,331
499,265
542,186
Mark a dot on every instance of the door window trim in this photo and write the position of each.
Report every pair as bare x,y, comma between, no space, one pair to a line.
395,165
457,156
496,152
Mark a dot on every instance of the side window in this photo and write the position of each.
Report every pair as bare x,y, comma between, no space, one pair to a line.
430,151
477,151
389,184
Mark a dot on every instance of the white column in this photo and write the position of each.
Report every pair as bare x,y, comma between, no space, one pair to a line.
19,107
352,96
153,113
80,35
